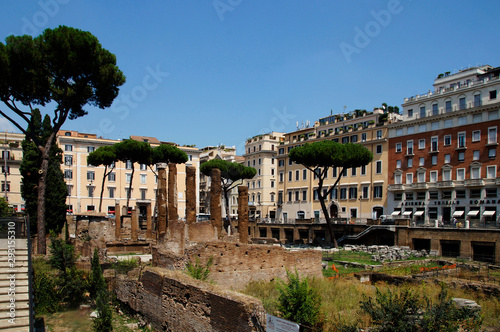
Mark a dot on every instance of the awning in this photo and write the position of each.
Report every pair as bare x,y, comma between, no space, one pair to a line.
407,213
489,213
395,213
419,213
473,213
458,213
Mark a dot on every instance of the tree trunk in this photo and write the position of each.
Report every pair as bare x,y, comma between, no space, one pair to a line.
323,207
41,242
226,200
102,187
130,186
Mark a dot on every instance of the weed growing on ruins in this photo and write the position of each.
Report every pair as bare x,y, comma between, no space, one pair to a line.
298,301
123,266
198,270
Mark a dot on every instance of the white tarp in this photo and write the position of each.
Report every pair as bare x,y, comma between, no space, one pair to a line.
473,213
458,213
489,213
395,213
419,213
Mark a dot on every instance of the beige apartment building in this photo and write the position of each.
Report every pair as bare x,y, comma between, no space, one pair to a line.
361,193
260,153
85,181
12,155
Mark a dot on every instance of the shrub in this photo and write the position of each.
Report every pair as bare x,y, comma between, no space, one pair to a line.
199,271
124,266
62,255
71,287
44,289
298,301
103,322
96,278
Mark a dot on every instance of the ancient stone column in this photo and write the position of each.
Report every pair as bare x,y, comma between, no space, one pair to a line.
190,194
161,199
243,213
172,193
149,223
134,224
118,222
215,195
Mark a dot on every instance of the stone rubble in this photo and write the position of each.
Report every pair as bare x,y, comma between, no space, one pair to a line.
385,253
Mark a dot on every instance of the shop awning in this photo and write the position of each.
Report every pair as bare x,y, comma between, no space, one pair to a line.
458,213
419,213
407,213
489,213
395,213
473,213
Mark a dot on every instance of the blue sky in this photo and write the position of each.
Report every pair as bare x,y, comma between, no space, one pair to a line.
217,72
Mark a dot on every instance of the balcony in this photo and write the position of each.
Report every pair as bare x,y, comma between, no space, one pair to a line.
445,184
395,187
474,182
419,185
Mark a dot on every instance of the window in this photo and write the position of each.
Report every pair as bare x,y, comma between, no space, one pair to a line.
363,170
281,151
69,188
91,191
143,167
434,160
281,163
433,195
111,192
353,171
68,174
377,192
492,135
333,194
90,175
354,138
475,155
128,177
421,143
345,139
290,162
112,177
447,106
409,163
258,184
272,183
5,188
90,149
304,174
304,195
343,193
462,121
460,194
378,167
409,147
461,156
353,193
435,125
143,194
379,134
493,94
399,132
477,100
128,164
493,115
447,140
68,160
297,175
421,161
476,118
68,147
475,172
434,144
421,177
491,172
90,207
143,178
363,137
422,111
433,176
409,196
379,149
398,196
422,128
447,158
334,172
398,163
260,161
397,178
446,175
435,109
461,103
399,147
5,169
421,195
461,174
281,179
290,195
446,194
461,140
492,153
475,193
491,192
410,113
290,176
410,130
364,192
476,135
409,178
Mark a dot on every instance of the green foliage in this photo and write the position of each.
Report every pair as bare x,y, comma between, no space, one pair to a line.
5,209
96,278
44,290
71,287
298,301
125,265
198,270
62,255
166,153
103,322
56,190
230,171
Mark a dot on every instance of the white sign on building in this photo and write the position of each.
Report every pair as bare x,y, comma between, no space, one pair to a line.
276,324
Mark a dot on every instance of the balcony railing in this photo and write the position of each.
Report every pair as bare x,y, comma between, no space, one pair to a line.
419,185
445,184
474,182
396,187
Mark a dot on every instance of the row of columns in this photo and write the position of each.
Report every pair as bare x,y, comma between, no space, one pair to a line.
167,206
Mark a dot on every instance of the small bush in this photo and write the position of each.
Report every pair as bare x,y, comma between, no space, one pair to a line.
44,289
126,265
199,271
71,287
62,255
298,301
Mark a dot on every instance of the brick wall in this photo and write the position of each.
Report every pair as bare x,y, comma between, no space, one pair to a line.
171,301
235,264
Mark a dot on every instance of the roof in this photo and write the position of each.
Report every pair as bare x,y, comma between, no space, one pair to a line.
147,139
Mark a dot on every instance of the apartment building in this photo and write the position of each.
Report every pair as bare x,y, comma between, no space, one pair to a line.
361,192
260,153
443,160
11,157
85,181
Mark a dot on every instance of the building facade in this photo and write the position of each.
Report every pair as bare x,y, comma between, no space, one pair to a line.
260,153
11,157
443,164
361,192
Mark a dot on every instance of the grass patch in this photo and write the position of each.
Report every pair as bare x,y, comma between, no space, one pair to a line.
342,270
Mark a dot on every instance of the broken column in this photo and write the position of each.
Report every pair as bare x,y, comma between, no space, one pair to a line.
243,213
172,193
149,223
190,194
118,222
134,224
161,198
215,195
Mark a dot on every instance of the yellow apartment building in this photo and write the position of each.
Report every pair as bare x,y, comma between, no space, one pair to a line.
12,155
362,191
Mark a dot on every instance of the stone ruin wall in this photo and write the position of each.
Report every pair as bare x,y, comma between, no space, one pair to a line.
171,301
236,264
